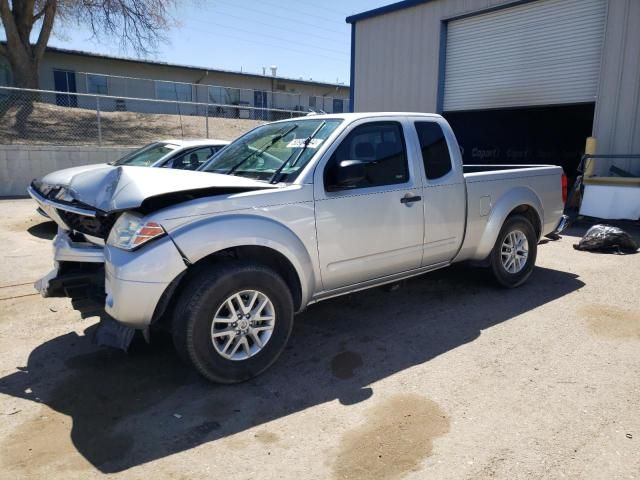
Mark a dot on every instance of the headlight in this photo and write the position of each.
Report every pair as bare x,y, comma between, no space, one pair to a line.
130,231
43,188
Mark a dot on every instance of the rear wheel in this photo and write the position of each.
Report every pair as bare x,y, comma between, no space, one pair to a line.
514,254
232,323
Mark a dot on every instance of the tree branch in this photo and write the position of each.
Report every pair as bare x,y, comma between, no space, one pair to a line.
140,24
45,30
8,21
39,15
3,51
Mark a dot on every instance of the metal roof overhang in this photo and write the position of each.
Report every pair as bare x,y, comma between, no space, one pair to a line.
393,7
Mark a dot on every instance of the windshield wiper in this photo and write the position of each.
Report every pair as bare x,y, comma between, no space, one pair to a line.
262,150
276,174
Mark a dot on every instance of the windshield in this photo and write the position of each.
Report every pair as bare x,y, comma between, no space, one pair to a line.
147,155
278,149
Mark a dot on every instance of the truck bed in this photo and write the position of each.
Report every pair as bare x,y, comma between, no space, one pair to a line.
519,173
490,187
495,168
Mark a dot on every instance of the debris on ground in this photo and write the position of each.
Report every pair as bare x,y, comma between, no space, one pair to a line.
113,334
605,238
12,413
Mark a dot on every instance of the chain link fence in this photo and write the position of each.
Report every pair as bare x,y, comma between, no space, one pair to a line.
275,97
44,117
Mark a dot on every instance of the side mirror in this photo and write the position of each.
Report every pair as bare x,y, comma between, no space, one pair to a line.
350,173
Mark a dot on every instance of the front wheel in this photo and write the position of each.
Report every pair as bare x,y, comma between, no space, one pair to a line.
232,323
514,254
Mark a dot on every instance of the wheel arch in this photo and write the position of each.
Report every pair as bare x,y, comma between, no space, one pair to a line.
241,237
520,200
261,255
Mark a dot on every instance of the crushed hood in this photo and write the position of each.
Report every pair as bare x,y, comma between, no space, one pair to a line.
63,177
111,188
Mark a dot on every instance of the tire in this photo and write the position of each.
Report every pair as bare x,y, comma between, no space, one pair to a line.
207,295
513,274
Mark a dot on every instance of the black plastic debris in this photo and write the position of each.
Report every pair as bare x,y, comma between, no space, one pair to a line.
113,334
605,238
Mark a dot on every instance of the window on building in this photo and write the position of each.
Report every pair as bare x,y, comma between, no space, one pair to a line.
435,151
217,95
65,81
224,95
173,91
338,105
97,84
380,146
5,78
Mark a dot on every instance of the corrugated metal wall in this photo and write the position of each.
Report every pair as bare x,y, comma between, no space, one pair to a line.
617,118
397,54
397,67
538,53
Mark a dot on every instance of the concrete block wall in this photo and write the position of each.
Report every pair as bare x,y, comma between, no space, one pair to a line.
20,164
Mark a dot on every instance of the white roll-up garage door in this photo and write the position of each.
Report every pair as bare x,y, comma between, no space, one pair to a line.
546,52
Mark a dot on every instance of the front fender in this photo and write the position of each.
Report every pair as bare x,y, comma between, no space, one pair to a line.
512,199
199,239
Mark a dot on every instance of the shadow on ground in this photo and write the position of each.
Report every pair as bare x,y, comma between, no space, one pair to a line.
46,230
123,406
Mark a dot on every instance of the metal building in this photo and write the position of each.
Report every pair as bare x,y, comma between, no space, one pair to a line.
520,81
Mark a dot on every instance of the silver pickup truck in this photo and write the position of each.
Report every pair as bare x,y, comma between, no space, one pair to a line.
292,213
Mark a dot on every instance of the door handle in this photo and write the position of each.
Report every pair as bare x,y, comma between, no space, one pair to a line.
410,199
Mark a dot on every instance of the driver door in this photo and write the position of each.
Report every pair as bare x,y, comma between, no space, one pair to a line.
374,227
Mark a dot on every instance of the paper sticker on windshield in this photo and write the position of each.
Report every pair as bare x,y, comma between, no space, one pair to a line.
299,143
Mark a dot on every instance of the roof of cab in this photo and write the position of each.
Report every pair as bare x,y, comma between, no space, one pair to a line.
359,115
196,142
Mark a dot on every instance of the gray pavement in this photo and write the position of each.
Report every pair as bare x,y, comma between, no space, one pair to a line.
449,377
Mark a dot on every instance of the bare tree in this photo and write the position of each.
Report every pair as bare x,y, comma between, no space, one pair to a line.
138,25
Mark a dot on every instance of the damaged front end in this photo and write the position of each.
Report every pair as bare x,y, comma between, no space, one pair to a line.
78,253
86,210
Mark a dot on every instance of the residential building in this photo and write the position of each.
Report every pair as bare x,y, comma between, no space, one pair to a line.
126,78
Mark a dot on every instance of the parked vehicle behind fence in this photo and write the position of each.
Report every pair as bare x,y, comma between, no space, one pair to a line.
292,213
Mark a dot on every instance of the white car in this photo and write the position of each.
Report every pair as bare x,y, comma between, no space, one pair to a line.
177,154
174,154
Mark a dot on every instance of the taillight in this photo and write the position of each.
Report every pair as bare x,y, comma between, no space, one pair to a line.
565,188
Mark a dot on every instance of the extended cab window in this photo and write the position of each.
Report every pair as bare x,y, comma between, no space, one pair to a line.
435,151
380,147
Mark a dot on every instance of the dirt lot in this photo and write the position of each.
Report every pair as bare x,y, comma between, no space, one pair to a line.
446,378
46,124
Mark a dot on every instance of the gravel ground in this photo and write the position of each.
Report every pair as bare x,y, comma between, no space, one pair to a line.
449,377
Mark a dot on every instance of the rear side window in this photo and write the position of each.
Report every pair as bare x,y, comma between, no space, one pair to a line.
435,152
379,144
191,159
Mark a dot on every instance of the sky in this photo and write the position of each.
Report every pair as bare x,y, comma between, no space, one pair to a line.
303,38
